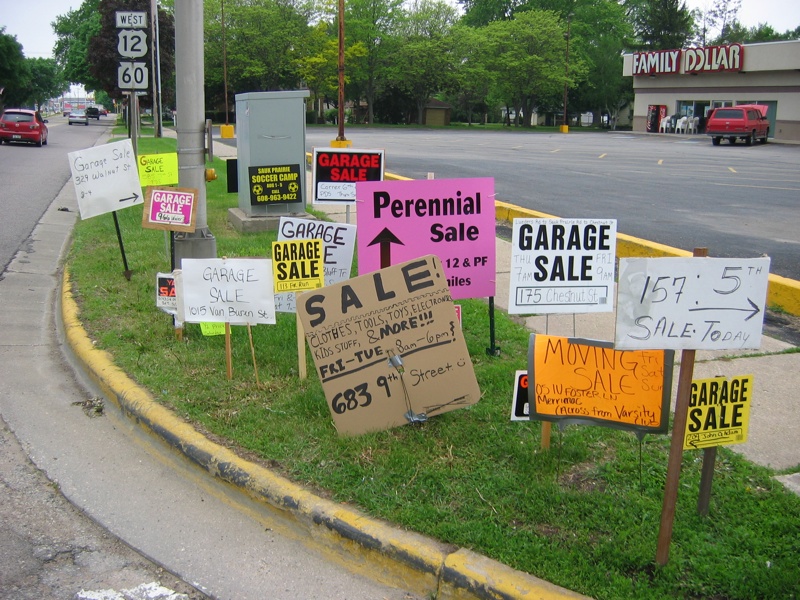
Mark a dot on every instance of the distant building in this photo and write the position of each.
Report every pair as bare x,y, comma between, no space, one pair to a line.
693,81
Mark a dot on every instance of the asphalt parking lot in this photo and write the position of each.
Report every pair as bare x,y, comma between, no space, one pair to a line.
678,190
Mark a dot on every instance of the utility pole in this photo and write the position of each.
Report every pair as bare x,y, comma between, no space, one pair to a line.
189,79
341,141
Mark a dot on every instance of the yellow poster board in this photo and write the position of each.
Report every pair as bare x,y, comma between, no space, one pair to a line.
719,412
298,265
158,169
588,381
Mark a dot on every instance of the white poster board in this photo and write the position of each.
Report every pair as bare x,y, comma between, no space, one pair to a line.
339,243
238,291
691,303
105,178
562,266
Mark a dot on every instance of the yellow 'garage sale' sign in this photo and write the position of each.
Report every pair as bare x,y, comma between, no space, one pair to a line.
719,411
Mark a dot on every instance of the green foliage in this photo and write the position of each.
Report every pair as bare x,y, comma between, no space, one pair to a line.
526,57
74,32
15,74
584,515
372,23
660,24
47,80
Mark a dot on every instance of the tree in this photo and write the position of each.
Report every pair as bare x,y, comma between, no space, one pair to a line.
319,66
263,41
73,34
471,78
47,80
373,23
422,63
103,54
600,33
660,24
15,75
526,57
478,13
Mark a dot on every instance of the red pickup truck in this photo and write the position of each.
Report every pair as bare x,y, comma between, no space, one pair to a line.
745,121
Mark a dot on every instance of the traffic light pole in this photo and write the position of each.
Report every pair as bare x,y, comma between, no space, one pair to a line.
189,71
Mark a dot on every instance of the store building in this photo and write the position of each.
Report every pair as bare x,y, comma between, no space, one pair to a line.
691,82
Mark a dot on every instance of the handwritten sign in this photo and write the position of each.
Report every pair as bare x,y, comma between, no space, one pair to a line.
158,169
212,329
388,348
588,381
339,244
719,412
297,265
335,172
226,290
453,219
275,184
691,303
105,178
562,266
171,209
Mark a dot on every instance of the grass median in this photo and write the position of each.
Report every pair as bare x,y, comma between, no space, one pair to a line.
584,515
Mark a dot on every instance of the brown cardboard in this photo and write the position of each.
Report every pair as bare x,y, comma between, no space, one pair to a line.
355,327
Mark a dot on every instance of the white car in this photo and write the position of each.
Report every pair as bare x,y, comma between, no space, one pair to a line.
78,116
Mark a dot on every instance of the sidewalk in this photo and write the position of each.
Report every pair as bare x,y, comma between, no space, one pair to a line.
410,561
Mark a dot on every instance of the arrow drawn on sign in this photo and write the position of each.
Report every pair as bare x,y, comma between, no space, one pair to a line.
386,238
697,445
753,310
133,198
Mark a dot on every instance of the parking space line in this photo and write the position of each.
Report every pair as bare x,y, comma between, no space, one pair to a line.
756,187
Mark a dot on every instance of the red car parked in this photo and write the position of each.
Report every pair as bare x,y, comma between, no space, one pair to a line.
747,122
23,125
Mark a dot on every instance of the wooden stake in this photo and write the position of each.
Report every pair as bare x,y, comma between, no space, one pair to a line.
301,344
228,355
676,448
253,353
546,427
706,477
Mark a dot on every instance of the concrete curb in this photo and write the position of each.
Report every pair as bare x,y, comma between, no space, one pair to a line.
782,292
366,545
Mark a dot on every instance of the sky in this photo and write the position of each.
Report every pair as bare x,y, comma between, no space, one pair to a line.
33,30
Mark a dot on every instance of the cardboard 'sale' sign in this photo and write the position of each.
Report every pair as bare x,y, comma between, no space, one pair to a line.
388,348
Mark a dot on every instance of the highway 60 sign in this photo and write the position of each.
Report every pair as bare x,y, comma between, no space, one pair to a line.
132,76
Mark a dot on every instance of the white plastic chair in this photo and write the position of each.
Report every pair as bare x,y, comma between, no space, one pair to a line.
680,126
665,125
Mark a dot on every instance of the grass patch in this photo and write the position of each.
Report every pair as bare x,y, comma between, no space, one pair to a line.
584,515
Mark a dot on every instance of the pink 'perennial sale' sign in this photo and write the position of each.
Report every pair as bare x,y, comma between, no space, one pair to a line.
453,219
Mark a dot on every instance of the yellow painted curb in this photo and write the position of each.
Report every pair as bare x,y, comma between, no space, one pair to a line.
782,293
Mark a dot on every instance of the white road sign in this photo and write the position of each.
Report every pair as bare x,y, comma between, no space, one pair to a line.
132,76
132,43
691,303
105,178
131,19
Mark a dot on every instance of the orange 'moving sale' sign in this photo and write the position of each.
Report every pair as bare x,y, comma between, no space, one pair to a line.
588,381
